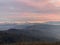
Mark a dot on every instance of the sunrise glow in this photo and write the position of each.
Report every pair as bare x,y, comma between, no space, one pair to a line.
55,2
32,11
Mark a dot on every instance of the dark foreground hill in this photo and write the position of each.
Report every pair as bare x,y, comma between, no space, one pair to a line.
32,33
21,35
32,43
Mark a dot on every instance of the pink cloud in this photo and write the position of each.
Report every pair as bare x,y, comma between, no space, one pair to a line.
38,5
33,17
37,16
43,17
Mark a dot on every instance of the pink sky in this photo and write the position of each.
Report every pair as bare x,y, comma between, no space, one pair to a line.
29,10
43,6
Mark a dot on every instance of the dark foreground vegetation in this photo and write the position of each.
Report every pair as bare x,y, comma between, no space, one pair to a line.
21,37
32,43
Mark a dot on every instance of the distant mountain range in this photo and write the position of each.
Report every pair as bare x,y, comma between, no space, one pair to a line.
53,22
14,26
31,32
23,26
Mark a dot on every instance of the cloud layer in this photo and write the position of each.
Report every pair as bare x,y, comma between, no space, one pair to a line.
28,10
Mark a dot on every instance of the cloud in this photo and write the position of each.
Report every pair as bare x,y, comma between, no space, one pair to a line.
28,10
43,6
33,6
15,7
26,16
30,17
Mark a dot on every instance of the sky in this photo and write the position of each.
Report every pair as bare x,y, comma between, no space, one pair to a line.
29,11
